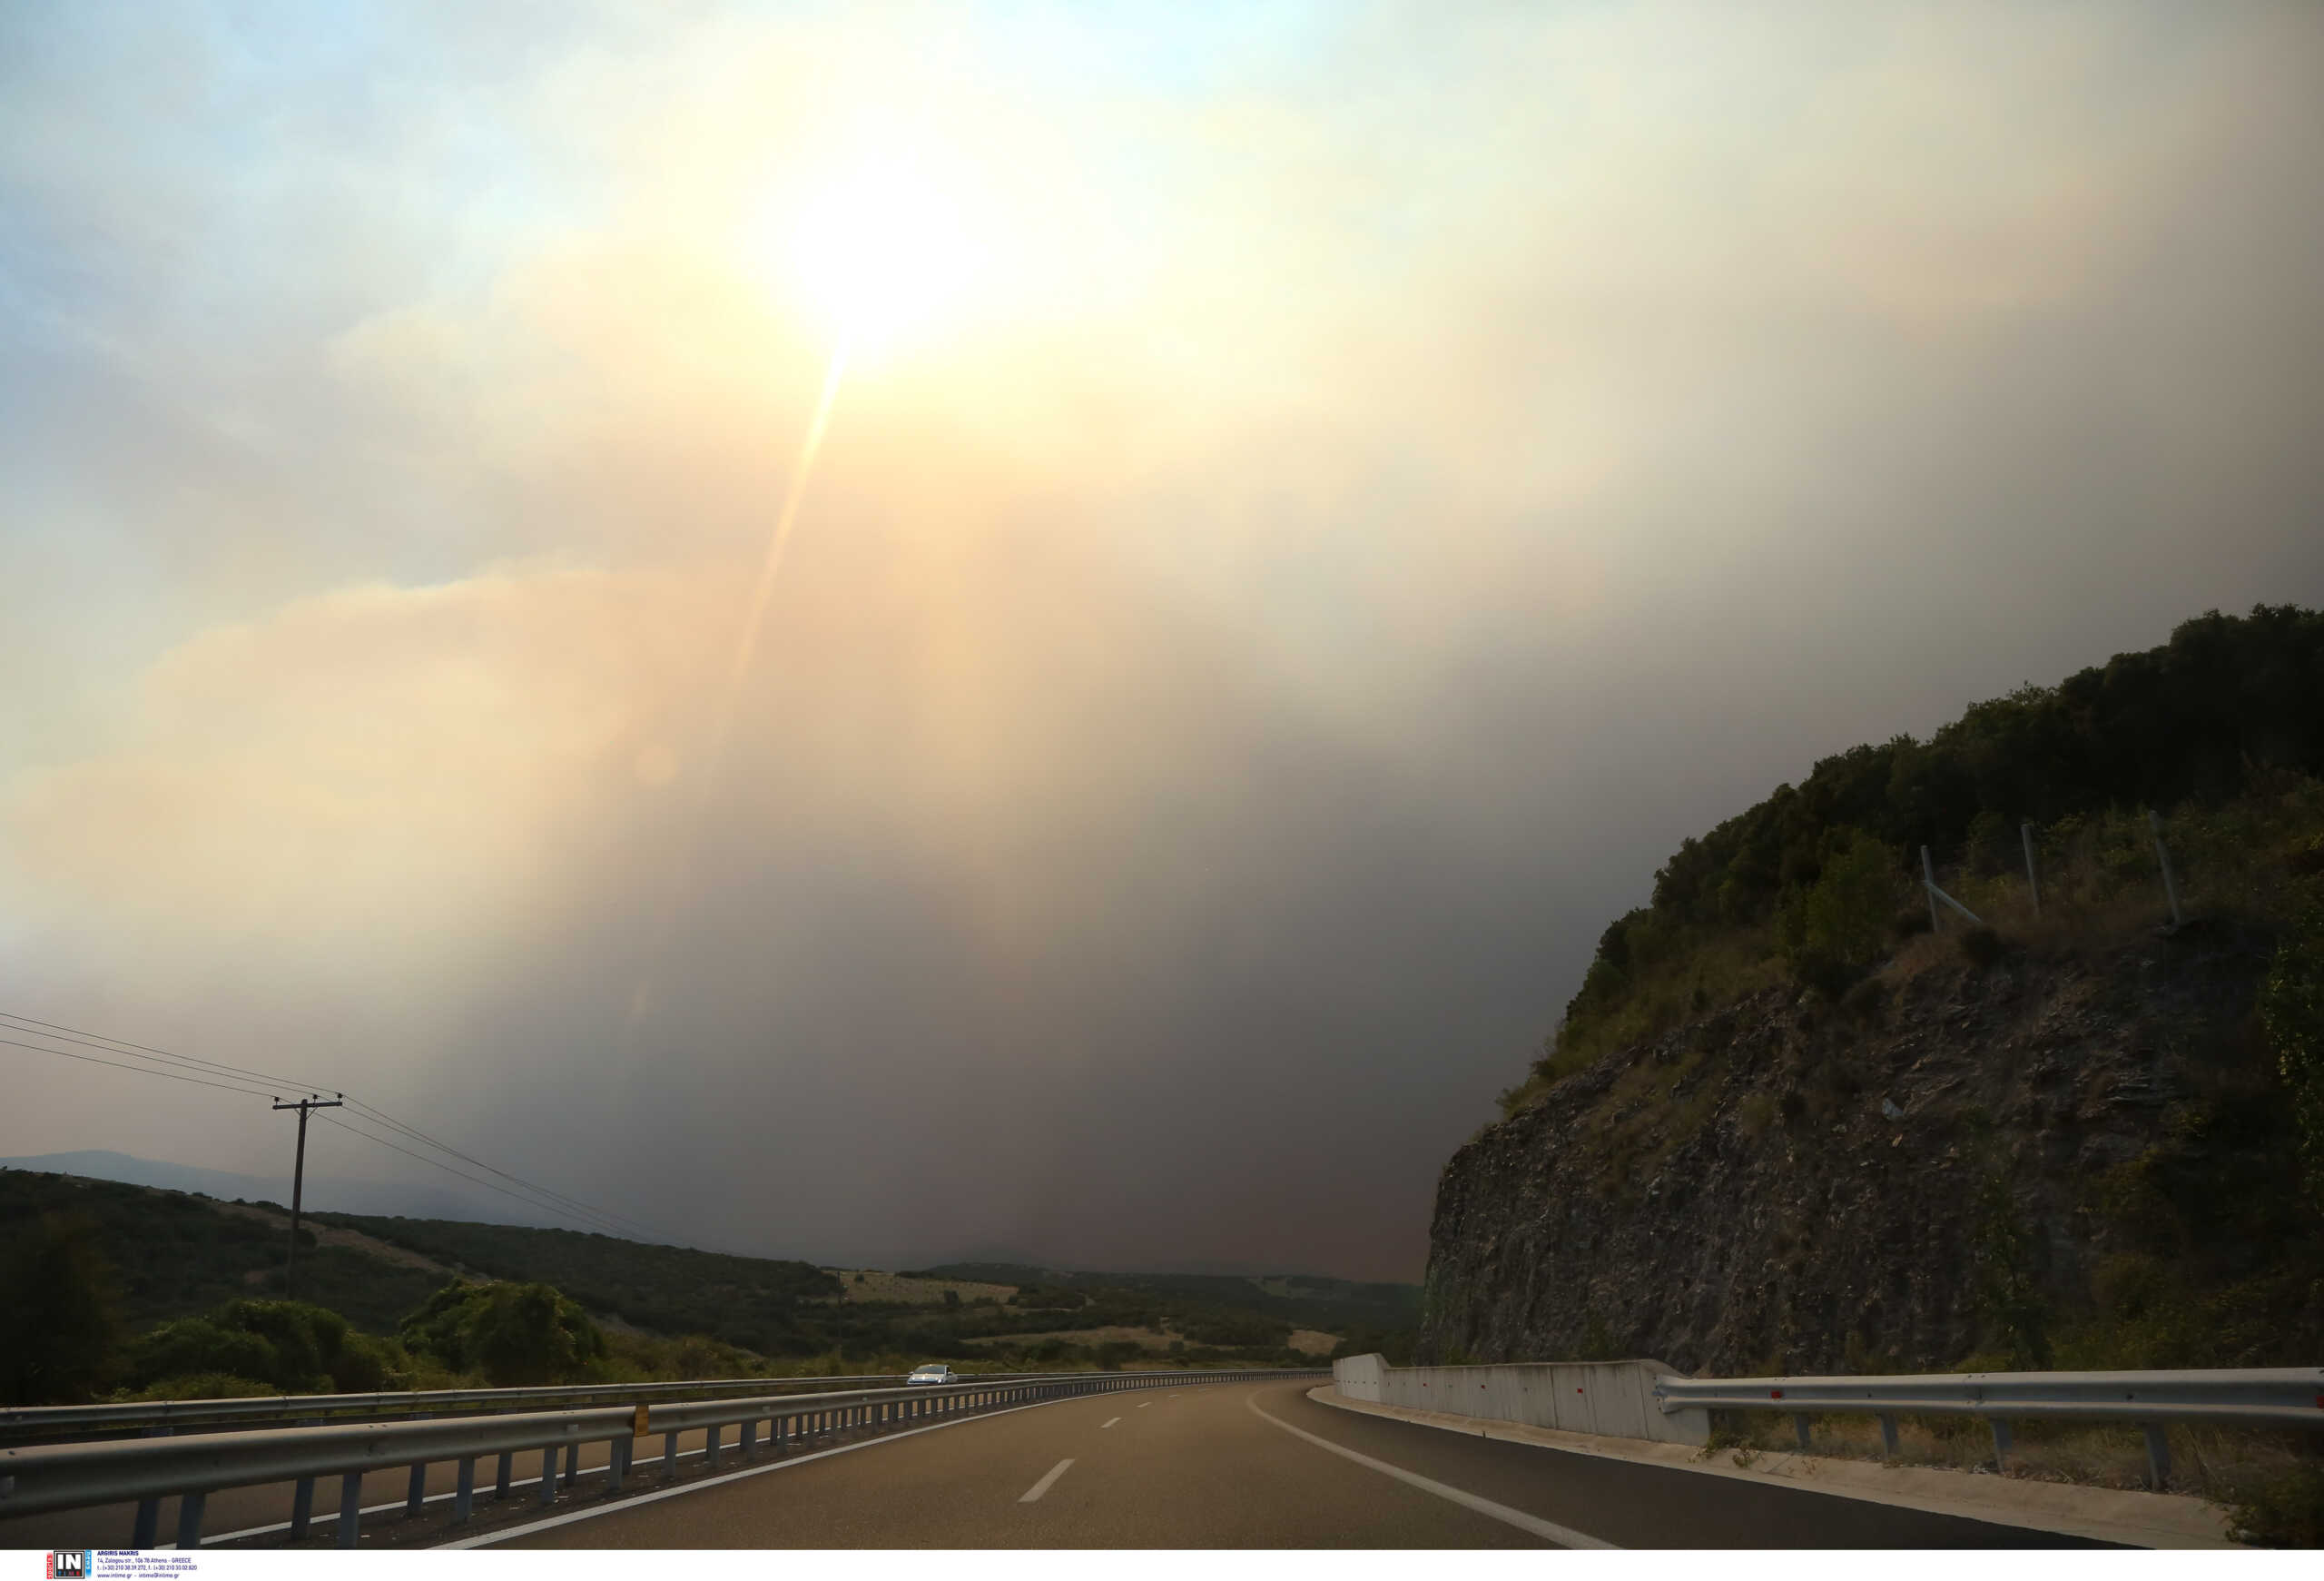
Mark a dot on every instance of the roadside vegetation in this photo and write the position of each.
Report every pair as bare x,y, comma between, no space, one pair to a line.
2269,1484
2221,728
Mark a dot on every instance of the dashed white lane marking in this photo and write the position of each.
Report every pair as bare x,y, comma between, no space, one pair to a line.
1564,1537
1046,1482
617,1505
1109,1421
1143,1404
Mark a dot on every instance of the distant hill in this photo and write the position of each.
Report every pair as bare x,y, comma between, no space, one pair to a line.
750,1301
327,1192
1307,1301
173,1254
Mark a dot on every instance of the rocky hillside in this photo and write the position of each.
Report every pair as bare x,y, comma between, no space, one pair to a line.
2078,1155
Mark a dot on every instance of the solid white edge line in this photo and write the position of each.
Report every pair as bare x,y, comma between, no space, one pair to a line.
1564,1537
1046,1482
616,1506
1481,1428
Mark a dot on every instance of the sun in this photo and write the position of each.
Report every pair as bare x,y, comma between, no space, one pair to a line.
877,250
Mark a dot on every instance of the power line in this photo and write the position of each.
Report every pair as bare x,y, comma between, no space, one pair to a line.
117,1045
382,1141
383,1118
541,1199
141,1070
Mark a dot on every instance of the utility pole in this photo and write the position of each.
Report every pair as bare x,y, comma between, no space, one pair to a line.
299,1174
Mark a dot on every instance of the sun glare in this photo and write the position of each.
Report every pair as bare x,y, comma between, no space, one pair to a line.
878,253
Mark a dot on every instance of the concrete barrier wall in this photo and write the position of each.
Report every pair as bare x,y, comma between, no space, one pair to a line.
1359,1377
1612,1397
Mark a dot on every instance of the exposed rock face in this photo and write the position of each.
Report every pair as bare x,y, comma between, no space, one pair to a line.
1799,1188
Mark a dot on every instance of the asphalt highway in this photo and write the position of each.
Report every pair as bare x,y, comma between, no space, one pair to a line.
1233,1466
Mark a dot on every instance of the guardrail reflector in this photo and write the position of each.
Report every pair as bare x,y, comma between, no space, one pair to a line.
637,1422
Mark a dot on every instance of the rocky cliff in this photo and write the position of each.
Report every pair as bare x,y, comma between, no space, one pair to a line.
2082,1159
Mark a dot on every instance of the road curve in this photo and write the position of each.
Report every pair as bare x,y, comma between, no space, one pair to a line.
1236,1466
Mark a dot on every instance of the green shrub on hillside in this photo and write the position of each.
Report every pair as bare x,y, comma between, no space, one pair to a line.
515,1334
284,1347
206,1385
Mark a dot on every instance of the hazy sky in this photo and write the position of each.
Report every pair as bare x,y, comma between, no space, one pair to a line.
1323,497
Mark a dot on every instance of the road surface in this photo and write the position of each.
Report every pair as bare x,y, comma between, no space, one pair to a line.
1239,1465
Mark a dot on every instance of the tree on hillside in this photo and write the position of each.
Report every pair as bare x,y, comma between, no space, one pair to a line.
58,1324
1832,929
515,1334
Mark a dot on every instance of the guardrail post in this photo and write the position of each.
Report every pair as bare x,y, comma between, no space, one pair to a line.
415,1491
1889,1434
302,1507
548,1475
148,1529
572,1461
2158,1456
616,1463
711,1435
748,1444
508,1469
350,1506
669,1456
2001,1444
1800,1427
464,1491
190,1520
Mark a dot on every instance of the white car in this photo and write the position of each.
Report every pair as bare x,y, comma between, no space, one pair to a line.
933,1372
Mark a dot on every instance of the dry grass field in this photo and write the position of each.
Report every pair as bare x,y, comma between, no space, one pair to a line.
869,1284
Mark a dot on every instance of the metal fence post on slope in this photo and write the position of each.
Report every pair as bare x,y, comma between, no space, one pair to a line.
1928,880
2162,854
2033,883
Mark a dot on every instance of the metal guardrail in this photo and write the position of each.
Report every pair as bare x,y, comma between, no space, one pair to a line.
2290,1396
26,1422
36,1479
